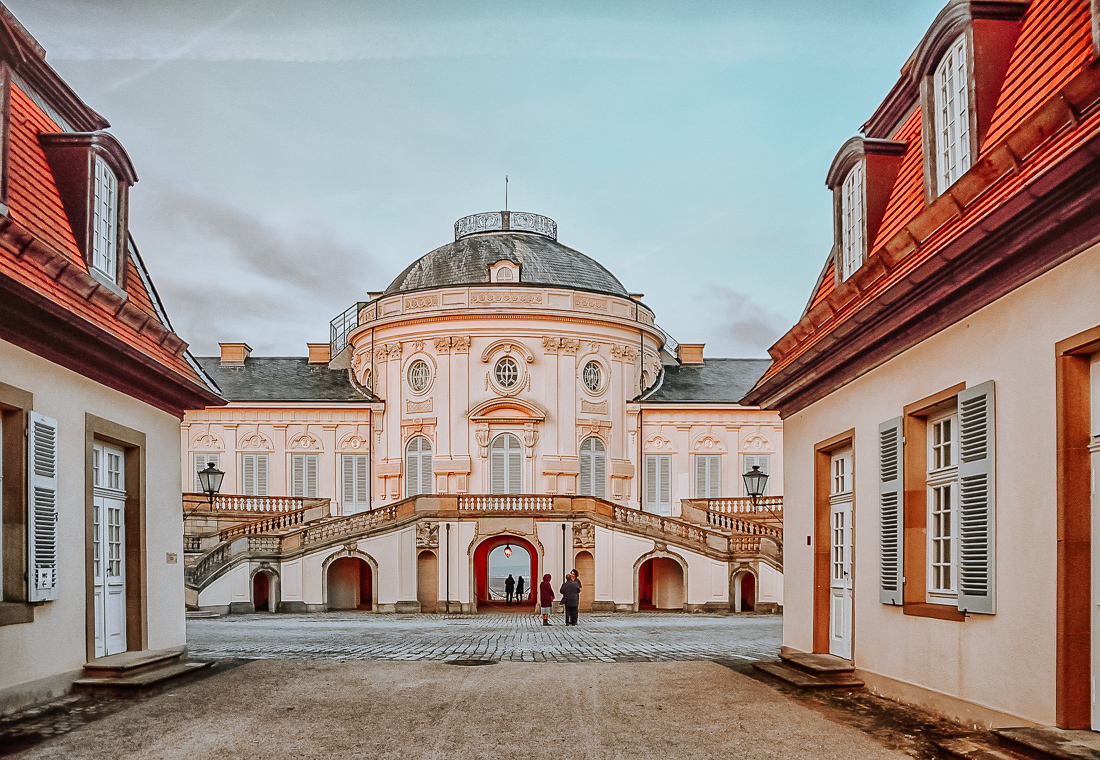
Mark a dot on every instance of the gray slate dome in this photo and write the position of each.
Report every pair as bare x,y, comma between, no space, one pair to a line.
525,239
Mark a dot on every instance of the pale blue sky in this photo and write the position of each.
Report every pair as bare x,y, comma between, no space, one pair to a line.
295,155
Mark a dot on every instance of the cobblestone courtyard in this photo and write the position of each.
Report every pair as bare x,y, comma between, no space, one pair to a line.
510,637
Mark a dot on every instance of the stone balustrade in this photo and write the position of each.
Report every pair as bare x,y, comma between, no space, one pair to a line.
518,503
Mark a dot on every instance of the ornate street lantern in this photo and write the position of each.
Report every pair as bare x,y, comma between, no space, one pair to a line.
211,481
507,550
755,482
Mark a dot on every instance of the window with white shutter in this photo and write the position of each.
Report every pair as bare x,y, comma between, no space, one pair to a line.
506,465
303,475
355,474
200,461
763,461
593,468
952,94
977,542
708,476
658,483
42,581
254,474
891,522
418,467
942,481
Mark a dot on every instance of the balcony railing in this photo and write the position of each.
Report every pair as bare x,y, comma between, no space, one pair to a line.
518,503
743,505
239,503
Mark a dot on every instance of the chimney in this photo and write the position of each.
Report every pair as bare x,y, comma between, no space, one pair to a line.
318,353
235,353
690,353
374,295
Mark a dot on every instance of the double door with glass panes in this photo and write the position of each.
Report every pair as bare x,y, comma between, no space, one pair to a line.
109,549
840,555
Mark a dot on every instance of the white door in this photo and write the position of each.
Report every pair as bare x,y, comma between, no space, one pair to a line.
840,555
1094,429
108,550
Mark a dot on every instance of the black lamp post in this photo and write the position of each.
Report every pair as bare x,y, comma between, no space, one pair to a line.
755,483
211,481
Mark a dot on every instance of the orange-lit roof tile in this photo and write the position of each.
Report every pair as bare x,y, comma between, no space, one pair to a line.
907,196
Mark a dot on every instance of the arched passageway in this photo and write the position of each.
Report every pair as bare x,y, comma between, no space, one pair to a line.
350,584
747,594
492,568
585,566
261,592
427,581
660,585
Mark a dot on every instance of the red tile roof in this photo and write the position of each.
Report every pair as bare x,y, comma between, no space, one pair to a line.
1053,49
35,205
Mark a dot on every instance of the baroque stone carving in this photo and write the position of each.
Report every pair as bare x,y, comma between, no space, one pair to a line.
207,441
459,343
507,297
416,407
255,440
707,443
660,443
756,443
305,441
584,535
354,442
624,353
421,302
418,346
427,535
481,432
593,407
530,437
587,302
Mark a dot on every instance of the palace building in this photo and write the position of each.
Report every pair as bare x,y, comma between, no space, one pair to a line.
504,392
941,393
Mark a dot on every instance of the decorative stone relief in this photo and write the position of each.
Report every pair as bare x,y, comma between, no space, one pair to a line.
756,443
255,440
442,345
587,302
659,443
530,437
709,443
418,407
305,441
427,535
460,344
584,535
507,297
549,345
353,442
481,432
418,346
206,442
593,407
422,302
593,347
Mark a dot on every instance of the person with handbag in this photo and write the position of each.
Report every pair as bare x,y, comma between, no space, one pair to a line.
546,598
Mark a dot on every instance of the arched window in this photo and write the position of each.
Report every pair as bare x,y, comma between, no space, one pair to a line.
593,468
418,467
506,465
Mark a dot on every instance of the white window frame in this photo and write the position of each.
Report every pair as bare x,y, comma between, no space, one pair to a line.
951,83
658,484
853,223
942,484
355,478
593,468
259,472
303,475
708,476
199,460
764,462
418,467
105,221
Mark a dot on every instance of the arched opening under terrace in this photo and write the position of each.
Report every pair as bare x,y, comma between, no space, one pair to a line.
495,559
661,584
350,584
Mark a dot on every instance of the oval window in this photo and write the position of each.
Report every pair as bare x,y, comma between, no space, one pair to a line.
592,376
507,372
419,375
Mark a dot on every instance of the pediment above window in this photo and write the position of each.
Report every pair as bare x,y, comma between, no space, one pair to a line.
506,410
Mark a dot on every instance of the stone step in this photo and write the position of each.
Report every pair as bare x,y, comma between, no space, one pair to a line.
817,664
969,749
128,663
135,682
805,680
1049,743
201,614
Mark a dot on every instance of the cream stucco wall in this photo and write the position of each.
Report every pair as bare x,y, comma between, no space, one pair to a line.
59,626
990,664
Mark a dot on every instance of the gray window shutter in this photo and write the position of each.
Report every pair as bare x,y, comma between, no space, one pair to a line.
248,474
362,481
311,476
666,482
977,537
515,466
599,469
586,467
42,581
701,490
349,481
891,489
498,465
426,467
261,474
298,475
412,468
714,477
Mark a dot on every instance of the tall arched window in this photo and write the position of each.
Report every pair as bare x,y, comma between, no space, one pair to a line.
506,464
418,467
593,468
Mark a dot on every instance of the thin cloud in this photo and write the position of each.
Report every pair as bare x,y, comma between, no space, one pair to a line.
742,327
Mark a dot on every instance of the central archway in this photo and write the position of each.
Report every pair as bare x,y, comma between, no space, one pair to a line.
487,596
660,584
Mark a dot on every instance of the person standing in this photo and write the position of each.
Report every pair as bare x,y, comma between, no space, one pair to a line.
546,598
519,591
571,597
509,588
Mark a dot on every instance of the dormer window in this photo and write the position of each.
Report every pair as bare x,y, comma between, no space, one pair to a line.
952,93
105,222
504,271
852,220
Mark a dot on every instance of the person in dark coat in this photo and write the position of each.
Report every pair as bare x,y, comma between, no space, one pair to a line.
519,590
509,588
546,598
571,597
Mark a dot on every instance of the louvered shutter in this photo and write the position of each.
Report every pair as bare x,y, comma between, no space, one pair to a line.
298,475
515,466
248,474
890,499
701,490
362,481
348,477
651,482
426,467
42,585
311,476
599,469
498,466
666,485
201,460
261,474
977,539
412,468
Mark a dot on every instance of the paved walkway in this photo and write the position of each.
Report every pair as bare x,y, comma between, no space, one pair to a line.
643,637
276,709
